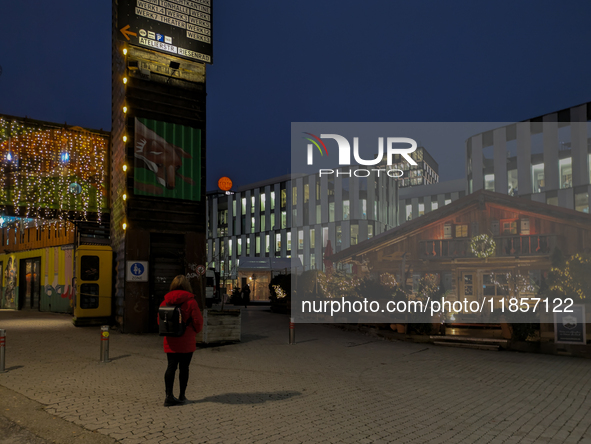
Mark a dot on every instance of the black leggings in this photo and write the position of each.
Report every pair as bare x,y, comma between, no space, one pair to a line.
182,360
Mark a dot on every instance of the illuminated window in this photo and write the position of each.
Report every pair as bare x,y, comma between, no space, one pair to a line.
278,242
434,206
582,202
408,212
462,230
537,175
289,241
300,240
508,227
489,182
512,182
263,199
345,209
421,209
312,238
272,200
566,172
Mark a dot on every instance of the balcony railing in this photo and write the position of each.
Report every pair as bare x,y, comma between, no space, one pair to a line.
506,246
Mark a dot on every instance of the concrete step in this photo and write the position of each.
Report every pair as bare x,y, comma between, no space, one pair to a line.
468,345
470,339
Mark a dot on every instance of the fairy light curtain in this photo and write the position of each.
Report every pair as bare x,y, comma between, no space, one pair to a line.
51,172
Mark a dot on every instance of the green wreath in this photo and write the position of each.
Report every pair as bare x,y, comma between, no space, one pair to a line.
483,246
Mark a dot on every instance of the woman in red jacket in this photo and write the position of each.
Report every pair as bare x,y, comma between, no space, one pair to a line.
179,351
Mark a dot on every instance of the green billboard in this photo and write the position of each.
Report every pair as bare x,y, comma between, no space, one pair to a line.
167,160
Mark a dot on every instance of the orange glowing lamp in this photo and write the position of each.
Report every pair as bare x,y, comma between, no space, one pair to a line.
225,183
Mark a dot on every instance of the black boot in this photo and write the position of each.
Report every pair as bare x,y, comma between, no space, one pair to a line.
170,401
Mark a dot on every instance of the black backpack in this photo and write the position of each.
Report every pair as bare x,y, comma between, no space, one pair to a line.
171,321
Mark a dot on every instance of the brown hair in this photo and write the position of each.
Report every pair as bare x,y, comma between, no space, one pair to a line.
180,282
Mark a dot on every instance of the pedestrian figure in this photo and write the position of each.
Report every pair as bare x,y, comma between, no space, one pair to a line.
179,350
246,296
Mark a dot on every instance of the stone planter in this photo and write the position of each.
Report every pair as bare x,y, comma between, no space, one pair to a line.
220,326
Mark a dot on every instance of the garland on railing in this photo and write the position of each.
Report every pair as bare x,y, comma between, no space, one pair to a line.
483,246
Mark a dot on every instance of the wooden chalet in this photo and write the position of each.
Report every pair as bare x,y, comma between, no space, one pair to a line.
525,234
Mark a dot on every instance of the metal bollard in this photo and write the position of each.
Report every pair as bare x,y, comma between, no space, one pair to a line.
292,331
2,351
105,343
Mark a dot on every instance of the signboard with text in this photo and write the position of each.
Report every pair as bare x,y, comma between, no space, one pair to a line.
569,328
179,27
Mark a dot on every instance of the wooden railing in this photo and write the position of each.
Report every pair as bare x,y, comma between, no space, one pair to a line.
506,246
50,235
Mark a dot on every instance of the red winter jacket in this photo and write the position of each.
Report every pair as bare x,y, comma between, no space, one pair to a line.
190,310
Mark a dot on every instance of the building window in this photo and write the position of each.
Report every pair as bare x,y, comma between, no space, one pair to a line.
434,206
512,182
552,200
294,196
369,231
331,211
239,247
447,201
267,243
252,224
234,207
537,176
248,246
284,219
278,242
363,208
345,210
306,193
263,222
582,202
566,172
508,227
272,200
312,261
462,230
229,247
354,234
300,240
489,182
339,237
421,209
263,199
272,227
257,247
409,212
243,206
318,214
284,198
289,241
312,238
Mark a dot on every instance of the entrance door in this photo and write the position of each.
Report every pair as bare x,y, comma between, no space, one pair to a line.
29,283
167,253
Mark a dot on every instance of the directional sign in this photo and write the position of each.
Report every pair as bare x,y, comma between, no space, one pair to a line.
137,271
180,27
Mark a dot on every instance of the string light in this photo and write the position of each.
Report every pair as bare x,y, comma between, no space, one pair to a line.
124,80
48,172
124,167
125,138
124,109
124,51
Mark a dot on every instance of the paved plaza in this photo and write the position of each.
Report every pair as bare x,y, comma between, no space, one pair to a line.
333,386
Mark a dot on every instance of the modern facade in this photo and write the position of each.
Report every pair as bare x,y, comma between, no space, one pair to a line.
426,171
296,216
546,159
417,201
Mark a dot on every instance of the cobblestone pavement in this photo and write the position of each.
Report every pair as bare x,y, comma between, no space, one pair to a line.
334,386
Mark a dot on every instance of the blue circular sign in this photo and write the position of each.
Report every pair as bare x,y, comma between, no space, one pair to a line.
137,269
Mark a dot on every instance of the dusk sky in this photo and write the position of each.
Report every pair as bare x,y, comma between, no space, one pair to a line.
279,62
